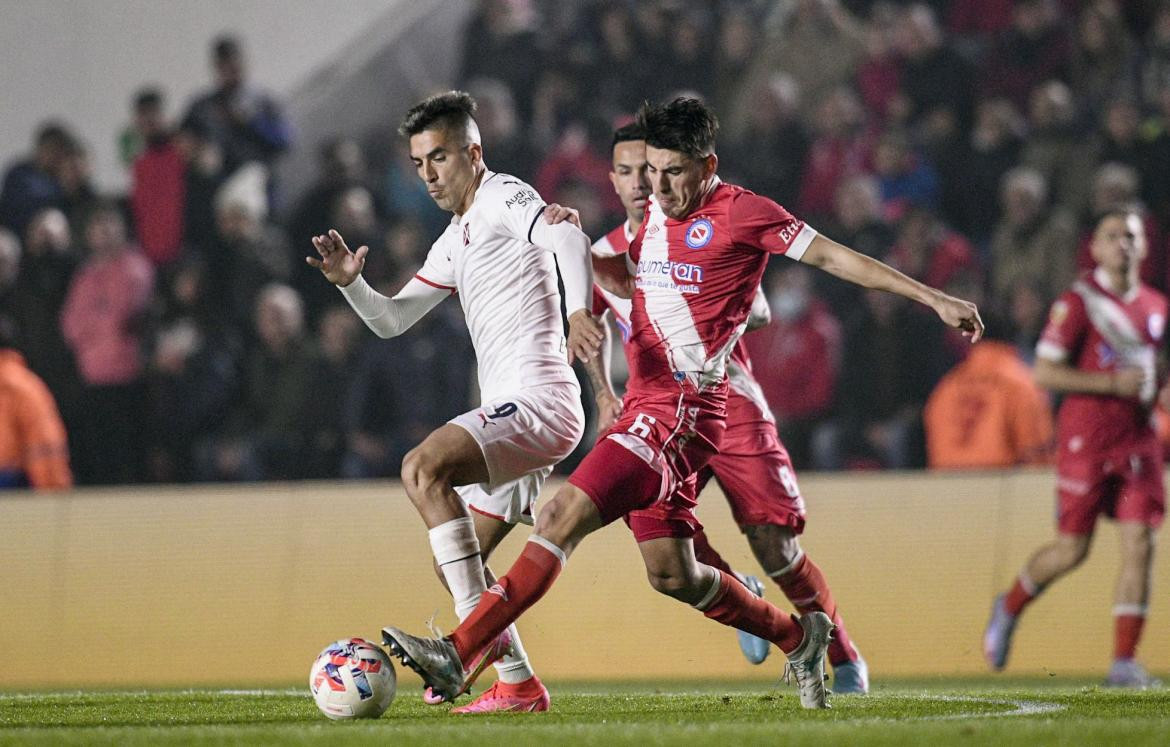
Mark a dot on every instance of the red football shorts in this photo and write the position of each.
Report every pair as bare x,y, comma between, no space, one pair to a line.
756,475
1126,486
648,458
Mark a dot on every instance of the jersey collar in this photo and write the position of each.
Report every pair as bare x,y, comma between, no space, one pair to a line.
1101,278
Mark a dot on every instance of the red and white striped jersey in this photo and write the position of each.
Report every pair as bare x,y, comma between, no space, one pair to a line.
741,381
695,281
1093,329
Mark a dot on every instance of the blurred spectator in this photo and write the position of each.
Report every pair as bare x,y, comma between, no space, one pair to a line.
1104,62
158,190
46,269
858,223
817,42
499,126
1034,50
936,80
1156,133
841,148
905,178
1027,311
993,148
1033,242
623,72
979,20
265,437
796,358
244,123
893,358
325,420
341,165
33,448
1055,146
929,251
738,46
249,251
75,176
10,252
402,390
577,158
500,42
770,148
102,321
879,73
987,412
34,184
1155,65
193,375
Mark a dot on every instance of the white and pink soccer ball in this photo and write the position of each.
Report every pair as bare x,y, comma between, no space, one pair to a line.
352,678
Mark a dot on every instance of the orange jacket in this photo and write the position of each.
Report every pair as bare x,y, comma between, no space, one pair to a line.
33,450
987,412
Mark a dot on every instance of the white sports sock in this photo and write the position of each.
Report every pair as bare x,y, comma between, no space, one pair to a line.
456,552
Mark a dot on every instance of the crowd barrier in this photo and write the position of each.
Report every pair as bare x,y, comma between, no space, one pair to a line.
241,586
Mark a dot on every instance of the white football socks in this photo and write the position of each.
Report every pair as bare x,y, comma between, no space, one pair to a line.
456,552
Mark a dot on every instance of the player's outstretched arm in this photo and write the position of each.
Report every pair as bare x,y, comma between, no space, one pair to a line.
1059,376
571,247
613,273
338,264
387,317
609,405
847,264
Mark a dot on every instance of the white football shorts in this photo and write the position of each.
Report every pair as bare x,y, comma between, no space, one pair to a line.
522,436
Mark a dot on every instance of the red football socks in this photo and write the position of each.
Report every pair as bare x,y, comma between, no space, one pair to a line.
529,579
1127,630
1018,598
734,605
805,586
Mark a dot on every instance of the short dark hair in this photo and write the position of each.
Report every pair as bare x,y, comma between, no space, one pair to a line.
56,134
628,133
1121,211
685,124
225,47
444,111
148,98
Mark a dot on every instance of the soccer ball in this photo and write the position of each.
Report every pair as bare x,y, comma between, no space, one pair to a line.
352,678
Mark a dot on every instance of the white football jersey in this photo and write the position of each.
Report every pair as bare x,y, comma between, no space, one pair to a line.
506,285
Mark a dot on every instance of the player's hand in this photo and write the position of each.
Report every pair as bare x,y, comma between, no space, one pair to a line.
609,409
338,264
1128,382
554,214
956,312
585,336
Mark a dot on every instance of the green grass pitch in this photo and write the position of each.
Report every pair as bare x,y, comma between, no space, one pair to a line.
934,712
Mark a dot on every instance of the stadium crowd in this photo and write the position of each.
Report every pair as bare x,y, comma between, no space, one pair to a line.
970,143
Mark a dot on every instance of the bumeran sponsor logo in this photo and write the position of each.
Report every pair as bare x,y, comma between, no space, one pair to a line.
683,277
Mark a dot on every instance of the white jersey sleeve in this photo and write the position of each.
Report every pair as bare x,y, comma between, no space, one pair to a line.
518,211
438,270
515,206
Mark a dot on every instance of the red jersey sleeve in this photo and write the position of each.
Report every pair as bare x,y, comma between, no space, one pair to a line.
599,304
1068,324
760,222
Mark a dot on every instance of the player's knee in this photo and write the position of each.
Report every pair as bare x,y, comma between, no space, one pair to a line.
555,521
1073,551
420,470
670,583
